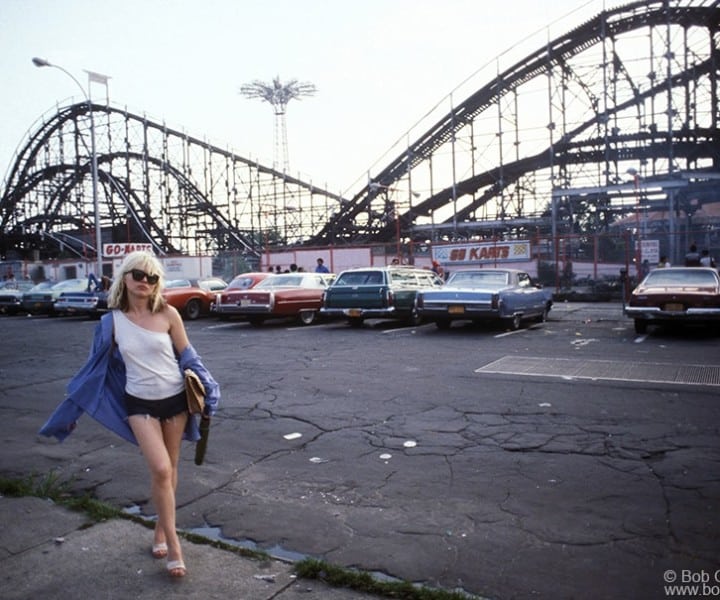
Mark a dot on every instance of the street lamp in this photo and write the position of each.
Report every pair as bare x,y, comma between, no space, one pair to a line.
638,237
41,62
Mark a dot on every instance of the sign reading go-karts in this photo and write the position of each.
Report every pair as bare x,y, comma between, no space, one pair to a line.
482,252
120,250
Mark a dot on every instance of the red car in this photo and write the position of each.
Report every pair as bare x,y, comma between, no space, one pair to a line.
294,295
676,295
193,297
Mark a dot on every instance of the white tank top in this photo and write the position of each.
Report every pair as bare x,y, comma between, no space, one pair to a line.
152,369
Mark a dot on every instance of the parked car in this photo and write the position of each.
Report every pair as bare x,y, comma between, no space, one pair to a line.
377,292
675,295
287,295
193,297
41,298
481,295
11,293
92,303
226,301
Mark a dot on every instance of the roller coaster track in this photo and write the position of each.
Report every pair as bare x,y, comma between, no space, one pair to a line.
691,135
633,88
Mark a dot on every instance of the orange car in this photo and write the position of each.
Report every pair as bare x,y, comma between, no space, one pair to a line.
193,297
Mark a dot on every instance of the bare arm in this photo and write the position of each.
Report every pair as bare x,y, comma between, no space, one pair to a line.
177,329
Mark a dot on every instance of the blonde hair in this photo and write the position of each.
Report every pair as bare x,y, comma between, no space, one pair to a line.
117,297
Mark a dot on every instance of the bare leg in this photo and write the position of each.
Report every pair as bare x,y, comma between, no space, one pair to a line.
160,445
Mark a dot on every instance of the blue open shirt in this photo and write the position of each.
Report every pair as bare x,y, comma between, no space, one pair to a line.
98,389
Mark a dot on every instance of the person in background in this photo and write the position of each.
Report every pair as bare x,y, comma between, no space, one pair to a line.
706,260
664,262
437,269
321,268
133,384
692,258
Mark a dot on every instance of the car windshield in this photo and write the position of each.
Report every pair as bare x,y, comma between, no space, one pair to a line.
360,278
688,277
478,278
43,285
212,285
69,284
177,283
240,283
281,281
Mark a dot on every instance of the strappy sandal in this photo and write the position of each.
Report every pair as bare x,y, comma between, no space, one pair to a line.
160,550
176,568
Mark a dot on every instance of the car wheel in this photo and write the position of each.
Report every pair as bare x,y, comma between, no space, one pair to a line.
641,326
192,309
414,319
307,317
514,322
442,323
355,321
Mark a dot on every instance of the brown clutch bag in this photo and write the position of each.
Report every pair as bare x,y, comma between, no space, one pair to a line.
195,392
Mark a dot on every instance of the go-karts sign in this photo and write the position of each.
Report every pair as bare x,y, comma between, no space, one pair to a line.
482,252
120,250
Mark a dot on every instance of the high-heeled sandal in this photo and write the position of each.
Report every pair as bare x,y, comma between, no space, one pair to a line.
176,568
160,550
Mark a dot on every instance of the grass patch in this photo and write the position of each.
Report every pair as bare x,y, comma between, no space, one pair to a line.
51,487
365,582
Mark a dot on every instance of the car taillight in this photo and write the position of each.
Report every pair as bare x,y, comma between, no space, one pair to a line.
271,301
419,301
495,302
389,298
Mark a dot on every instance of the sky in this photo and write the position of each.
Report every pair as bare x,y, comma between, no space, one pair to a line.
378,67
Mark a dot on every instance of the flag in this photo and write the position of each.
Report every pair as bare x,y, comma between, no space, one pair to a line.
97,78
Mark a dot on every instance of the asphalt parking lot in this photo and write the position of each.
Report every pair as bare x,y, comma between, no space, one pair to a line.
572,459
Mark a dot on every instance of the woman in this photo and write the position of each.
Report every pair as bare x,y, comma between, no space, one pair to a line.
133,384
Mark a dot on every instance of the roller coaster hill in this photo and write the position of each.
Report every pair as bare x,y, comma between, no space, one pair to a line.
596,142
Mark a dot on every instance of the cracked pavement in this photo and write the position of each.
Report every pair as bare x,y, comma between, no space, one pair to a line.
410,464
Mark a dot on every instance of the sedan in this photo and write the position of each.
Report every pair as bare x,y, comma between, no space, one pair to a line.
675,295
193,297
92,303
11,293
294,295
503,295
41,299
224,303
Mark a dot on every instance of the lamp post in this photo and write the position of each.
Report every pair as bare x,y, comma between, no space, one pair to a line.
41,62
638,237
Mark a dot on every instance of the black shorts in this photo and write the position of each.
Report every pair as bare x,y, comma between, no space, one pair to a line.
162,409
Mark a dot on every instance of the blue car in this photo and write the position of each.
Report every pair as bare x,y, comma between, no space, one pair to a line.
480,295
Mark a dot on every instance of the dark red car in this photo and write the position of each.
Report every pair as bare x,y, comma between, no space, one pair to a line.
224,304
675,295
287,295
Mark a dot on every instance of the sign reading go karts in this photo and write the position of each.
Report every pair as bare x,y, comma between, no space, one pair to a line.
120,250
485,252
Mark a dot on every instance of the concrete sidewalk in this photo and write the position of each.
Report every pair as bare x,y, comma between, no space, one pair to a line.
50,552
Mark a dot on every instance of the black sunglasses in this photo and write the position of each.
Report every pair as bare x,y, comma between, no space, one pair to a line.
139,275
